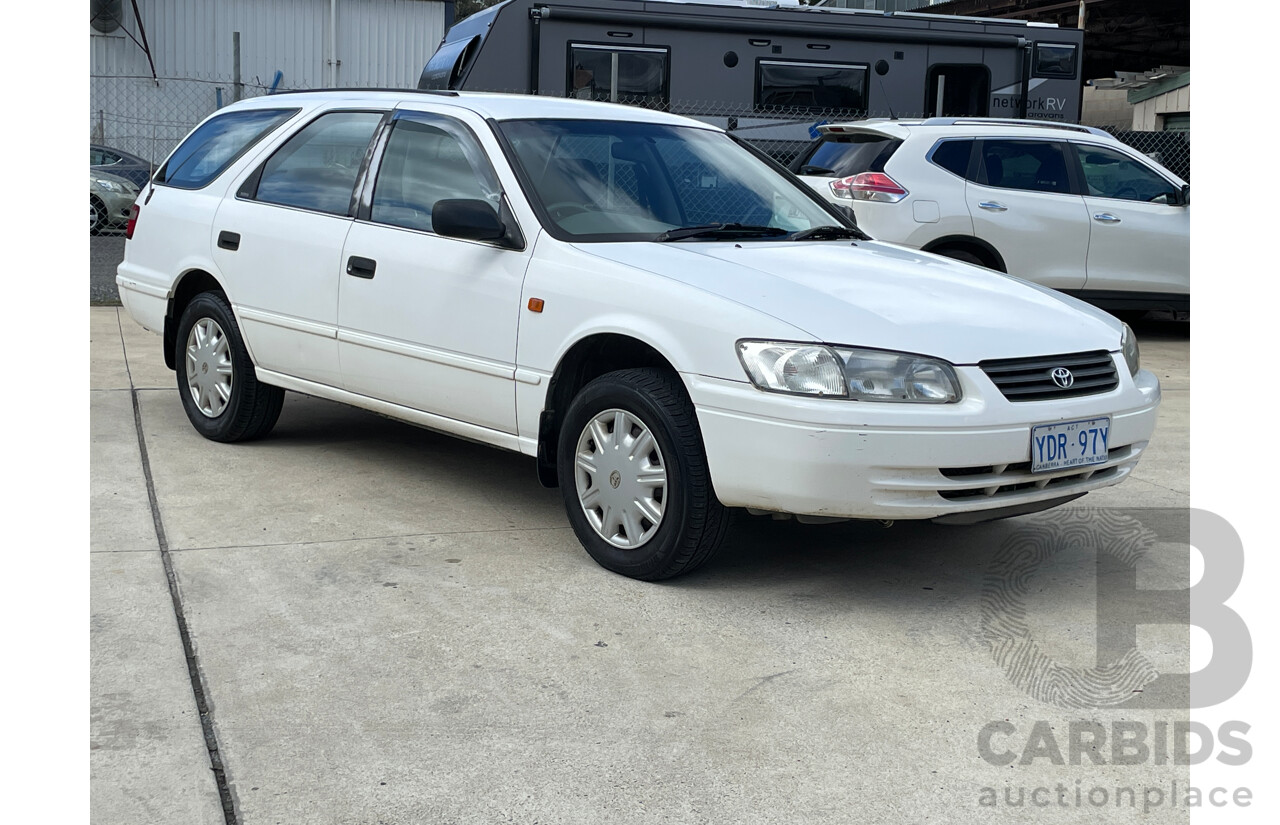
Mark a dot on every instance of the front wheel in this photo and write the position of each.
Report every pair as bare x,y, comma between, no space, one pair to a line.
220,392
634,476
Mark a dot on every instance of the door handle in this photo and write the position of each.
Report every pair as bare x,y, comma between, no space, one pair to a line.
361,267
229,240
992,206
1105,217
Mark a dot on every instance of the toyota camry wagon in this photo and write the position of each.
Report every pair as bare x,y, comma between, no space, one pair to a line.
669,323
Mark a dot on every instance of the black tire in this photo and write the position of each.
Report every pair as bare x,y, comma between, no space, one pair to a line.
97,216
252,408
693,522
957,254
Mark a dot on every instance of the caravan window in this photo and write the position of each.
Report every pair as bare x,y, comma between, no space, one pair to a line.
633,75
1055,60
811,86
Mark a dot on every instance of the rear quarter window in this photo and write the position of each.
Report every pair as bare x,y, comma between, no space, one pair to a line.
953,155
845,155
216,144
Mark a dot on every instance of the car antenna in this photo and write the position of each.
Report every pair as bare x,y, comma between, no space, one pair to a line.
882,69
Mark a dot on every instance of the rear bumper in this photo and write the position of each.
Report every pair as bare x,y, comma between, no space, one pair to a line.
843,459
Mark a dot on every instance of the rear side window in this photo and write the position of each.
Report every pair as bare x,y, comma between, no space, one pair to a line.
210,149
1030,165
953,155
844,155
317,168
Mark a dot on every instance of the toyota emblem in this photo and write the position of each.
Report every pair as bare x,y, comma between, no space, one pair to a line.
1062,377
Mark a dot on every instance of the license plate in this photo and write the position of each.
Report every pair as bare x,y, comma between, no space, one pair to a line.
1069,444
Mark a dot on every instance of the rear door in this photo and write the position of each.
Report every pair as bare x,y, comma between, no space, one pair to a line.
426,321
1024,203
278,241
1141,234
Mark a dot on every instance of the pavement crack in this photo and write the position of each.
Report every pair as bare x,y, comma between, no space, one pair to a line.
188,648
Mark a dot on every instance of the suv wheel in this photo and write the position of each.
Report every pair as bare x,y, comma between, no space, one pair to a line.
220,392
634,476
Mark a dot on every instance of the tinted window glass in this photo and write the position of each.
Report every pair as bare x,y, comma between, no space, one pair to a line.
426,162
317,167
215,144
1055,60
1110,174
640,77
810,85
953,155
1031,165
845,155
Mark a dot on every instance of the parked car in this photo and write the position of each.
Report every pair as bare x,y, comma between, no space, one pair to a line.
1066,206
120,163
667,322
109,200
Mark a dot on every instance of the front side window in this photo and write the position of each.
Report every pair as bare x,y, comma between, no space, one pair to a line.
810,86
215,145
1111,174
429,159
317,168
612,180
1054,60
1029,165
633,75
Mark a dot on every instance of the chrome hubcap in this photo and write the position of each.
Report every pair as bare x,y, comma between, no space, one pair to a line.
209,367
621,478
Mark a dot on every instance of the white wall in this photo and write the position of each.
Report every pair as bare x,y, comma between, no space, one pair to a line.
1146,115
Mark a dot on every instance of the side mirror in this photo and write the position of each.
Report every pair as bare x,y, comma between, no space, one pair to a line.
1186,194
848,213
473,220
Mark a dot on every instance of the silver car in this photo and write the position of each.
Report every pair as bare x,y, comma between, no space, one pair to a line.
110,198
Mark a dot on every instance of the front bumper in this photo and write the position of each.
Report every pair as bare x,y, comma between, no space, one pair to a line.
117,204
848,459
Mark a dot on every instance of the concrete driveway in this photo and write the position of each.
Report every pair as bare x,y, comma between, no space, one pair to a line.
357,621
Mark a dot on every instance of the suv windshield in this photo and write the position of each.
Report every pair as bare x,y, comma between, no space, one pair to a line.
611,181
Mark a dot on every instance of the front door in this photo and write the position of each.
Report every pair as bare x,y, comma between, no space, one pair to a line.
426,321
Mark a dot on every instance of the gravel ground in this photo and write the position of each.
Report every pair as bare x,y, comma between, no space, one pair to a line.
105,252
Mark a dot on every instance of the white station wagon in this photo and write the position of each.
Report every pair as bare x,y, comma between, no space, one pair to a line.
672,324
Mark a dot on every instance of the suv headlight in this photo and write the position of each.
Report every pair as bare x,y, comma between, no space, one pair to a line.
845,372
1129,345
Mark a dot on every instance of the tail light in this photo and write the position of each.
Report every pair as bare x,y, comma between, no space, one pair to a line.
133,221
869,186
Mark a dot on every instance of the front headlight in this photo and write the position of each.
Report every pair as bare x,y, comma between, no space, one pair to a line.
109,185
842,372
1129,345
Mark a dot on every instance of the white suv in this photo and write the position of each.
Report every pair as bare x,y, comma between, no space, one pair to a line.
663,319
1066,206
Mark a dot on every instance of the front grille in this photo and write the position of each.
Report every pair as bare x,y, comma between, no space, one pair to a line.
1031,379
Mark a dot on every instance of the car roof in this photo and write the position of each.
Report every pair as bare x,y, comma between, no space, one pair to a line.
486,104
963,127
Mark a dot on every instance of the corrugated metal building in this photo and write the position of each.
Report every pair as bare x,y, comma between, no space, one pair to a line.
193,46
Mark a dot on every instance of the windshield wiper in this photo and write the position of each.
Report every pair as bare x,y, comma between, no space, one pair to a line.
829,233
810,169
719,230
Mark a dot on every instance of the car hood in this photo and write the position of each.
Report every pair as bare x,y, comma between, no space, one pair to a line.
875,294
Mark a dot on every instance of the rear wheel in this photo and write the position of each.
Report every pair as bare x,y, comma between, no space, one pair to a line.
221,394
633,473
959,254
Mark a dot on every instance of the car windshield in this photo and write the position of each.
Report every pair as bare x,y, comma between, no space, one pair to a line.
611,181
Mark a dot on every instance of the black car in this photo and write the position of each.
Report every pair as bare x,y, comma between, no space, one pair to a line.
120,164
